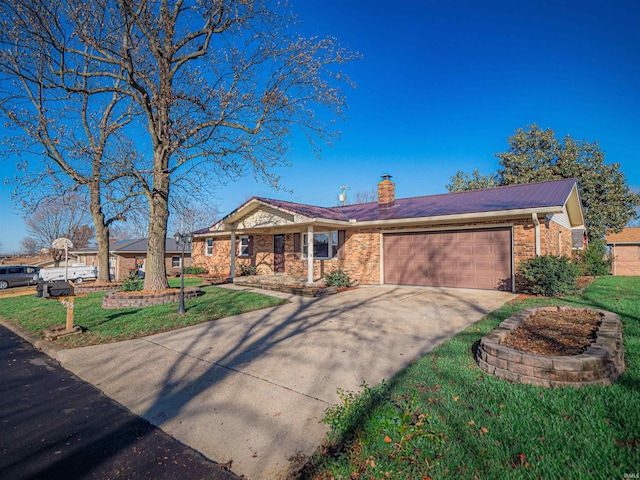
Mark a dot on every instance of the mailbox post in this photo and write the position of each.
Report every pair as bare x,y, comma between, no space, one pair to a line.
62,292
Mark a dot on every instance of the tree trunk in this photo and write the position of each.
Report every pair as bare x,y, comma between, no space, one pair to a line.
155,271
102,232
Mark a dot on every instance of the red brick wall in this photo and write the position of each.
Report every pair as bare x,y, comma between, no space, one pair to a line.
127,262
219,263
627,260
362,249
555,240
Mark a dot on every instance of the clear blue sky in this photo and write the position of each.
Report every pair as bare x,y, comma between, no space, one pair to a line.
441,86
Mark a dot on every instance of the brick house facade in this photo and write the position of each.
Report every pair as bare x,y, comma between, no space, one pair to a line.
357,246
625,252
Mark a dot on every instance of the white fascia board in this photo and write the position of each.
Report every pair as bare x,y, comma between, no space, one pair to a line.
215,234
574,197
463,216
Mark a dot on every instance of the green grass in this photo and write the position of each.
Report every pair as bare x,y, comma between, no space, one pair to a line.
442,417
105,326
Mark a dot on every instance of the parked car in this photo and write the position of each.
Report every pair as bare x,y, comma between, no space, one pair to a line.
16,275
77,273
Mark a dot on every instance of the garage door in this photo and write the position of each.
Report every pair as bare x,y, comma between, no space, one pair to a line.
461,258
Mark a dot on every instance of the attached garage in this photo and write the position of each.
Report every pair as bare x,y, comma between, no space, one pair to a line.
478,258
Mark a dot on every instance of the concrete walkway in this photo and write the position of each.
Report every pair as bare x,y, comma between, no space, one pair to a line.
253,388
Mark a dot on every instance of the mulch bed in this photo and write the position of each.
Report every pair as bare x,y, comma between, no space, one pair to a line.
556,333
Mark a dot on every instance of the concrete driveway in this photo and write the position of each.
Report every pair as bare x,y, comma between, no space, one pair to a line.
253,388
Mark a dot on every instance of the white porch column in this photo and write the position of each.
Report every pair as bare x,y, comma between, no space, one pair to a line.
310,254
232,272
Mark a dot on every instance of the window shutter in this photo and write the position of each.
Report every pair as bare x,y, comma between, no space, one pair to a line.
296,243
341,238
250,246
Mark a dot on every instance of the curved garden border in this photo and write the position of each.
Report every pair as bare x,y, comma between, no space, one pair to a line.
131,300
600,364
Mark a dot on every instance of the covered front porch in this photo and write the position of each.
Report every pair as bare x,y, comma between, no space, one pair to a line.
287,256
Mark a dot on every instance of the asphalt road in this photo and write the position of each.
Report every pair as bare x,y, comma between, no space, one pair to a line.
55,426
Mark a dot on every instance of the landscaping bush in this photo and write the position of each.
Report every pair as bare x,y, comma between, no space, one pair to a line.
337,278
245,269
132,283
195,270
595,260
550,275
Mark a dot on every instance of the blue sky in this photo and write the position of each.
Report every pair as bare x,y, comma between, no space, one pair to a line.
441,86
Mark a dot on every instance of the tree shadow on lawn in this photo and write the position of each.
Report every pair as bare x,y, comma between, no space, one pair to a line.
258,335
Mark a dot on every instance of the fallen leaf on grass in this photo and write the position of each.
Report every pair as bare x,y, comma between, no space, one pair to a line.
387,439
521,461
484,430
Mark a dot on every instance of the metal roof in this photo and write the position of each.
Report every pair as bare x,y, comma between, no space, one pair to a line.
512,197
551,194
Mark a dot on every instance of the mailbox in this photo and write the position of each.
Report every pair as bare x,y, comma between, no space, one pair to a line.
58,288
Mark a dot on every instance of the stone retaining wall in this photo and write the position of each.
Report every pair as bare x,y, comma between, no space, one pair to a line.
133,300
91,288
600,364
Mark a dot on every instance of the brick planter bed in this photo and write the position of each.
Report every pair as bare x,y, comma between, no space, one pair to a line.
600,364
92,288
132,300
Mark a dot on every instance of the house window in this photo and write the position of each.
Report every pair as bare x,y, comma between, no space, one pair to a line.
175,262
325,245
209,248
244,246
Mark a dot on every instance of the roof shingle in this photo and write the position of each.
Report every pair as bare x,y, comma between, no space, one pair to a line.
628,235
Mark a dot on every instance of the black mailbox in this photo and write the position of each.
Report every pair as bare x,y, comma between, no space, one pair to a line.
59,288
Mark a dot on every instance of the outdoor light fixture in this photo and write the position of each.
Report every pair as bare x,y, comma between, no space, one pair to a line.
183,239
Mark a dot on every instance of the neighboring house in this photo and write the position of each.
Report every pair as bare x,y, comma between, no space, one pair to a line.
625,252
127,255
470,239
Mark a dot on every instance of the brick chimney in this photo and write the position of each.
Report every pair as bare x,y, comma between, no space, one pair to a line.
386,192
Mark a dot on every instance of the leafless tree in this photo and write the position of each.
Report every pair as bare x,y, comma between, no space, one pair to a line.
365,196
62,217
64,120
220,84
29,246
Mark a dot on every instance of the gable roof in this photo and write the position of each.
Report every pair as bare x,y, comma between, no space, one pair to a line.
628,235
544,197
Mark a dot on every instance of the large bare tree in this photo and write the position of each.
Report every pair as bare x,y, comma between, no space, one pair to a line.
220,85
69,128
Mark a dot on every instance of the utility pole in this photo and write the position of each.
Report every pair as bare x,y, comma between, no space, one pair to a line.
343,196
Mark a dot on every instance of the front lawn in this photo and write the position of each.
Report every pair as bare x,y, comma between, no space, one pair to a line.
105,326
442,417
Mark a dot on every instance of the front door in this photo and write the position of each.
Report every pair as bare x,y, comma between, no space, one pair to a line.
278,253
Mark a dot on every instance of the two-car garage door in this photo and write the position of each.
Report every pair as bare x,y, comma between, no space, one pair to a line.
458,258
